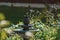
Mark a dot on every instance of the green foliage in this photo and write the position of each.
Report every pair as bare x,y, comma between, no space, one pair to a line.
45,32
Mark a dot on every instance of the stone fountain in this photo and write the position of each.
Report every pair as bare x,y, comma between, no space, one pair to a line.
27,31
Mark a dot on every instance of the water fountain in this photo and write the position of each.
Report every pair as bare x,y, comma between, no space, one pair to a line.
27,29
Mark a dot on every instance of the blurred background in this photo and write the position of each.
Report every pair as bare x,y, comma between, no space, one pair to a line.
14,10
43,14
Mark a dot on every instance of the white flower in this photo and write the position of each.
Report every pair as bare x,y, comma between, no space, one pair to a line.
31,10
37,12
